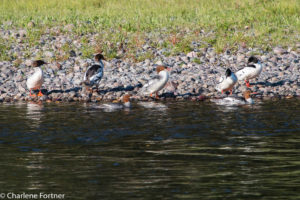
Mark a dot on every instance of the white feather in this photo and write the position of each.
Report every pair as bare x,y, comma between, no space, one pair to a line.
156,84
226,83
35,81
249,72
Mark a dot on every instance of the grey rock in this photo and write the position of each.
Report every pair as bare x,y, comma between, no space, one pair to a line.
279,50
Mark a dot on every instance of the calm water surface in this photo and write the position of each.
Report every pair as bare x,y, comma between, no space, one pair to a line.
187,151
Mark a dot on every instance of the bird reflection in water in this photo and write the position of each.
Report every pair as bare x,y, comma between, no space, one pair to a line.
34,113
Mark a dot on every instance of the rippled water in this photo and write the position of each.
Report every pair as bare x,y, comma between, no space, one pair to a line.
185,151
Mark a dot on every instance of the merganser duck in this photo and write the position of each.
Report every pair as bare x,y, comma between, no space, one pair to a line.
158,83
35,81
231,101
94,73
226,82
253,70
116,106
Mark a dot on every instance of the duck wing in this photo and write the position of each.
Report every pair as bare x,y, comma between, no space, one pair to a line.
245,72
221,79
93,74
35,80
219,84
148,86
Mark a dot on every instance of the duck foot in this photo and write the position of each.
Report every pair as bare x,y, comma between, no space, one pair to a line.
156,96
32,95
247,83
40,94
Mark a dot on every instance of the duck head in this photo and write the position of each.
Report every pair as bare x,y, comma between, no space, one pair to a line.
228,73
247,96
160,68
38,63
126,100
99,57
253,60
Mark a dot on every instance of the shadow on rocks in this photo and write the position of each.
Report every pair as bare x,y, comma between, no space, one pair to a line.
120,89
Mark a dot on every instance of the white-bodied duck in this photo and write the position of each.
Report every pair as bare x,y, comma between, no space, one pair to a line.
251,71
235,101
94,73
35,81
116,106
158,83
226,82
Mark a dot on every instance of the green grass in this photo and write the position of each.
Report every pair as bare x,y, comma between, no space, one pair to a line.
255,23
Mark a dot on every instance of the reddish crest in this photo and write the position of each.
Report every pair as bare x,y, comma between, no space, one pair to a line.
160,68
126,98
247,94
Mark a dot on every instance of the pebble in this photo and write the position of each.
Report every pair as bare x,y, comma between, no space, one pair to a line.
279,50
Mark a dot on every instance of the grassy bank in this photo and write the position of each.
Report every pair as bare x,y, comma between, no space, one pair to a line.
173,24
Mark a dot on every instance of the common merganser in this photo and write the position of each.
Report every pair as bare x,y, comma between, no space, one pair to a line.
158,83
231,101
253,70
226,82
35,81
116,106
94,73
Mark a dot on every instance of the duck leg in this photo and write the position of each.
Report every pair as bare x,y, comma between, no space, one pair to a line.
32,95
97,88
156,95
230,92
247,83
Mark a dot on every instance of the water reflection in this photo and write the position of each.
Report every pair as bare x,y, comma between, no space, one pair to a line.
190,150
34,113
34,168
153,105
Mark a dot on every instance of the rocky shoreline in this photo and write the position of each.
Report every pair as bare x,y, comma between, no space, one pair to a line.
193,75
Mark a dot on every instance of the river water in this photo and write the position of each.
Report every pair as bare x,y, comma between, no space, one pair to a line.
187,150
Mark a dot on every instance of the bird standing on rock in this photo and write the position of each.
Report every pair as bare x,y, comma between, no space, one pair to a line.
226,82
35,81
94,73
158,83
253,70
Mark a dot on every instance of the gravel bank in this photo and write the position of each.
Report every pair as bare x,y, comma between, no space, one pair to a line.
193,75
